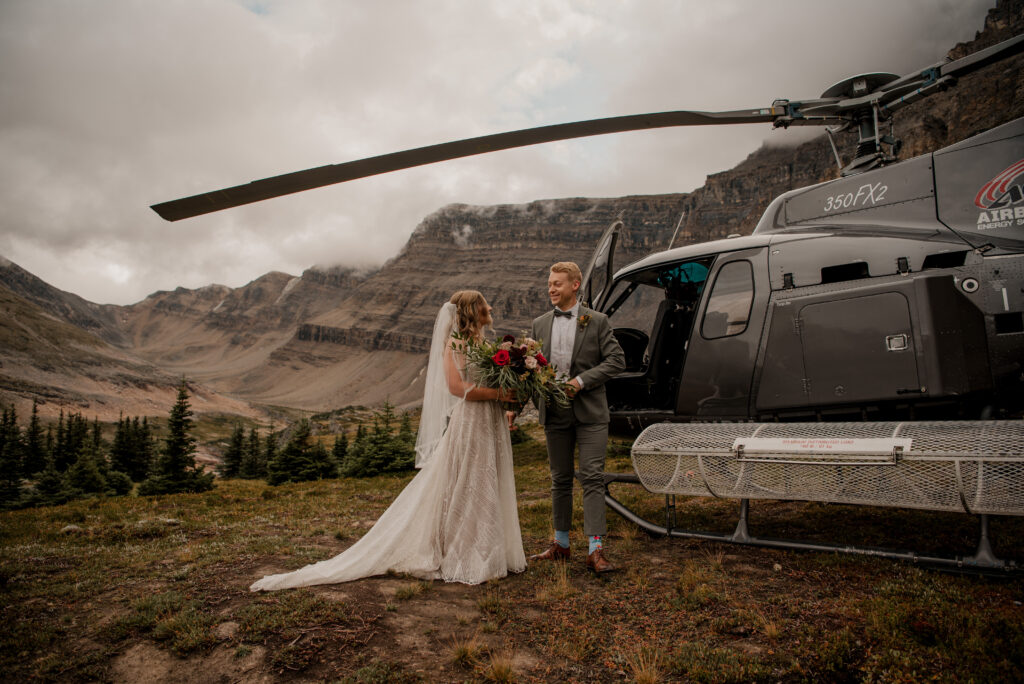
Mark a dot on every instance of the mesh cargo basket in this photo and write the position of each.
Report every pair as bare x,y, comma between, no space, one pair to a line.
972,466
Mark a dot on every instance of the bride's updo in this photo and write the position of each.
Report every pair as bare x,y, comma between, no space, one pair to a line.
467,309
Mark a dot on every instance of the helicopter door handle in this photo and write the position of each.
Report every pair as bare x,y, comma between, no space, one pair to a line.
896,343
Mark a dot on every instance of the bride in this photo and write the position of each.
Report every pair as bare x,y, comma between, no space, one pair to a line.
457,519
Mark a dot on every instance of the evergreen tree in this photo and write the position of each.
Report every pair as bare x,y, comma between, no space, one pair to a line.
301,459
405,445
282,467
97,435
322,465
355,463
50,488
61,460
269,450
35,445
131,452
76,438
85,476
118,483
253,466
231,461
340,449
175,469
10,459
144,445
379,450
121,455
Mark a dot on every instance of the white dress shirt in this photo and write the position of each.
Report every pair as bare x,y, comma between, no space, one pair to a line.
563,337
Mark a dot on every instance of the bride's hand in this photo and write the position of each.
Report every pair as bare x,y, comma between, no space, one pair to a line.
506,395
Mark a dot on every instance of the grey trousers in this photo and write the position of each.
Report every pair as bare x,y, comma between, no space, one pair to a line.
592,440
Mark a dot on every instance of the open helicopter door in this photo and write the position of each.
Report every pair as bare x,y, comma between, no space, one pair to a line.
598,274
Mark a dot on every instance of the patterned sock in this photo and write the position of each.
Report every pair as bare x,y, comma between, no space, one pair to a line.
562,538
595,543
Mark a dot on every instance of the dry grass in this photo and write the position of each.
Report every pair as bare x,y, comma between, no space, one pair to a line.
500,669
645,665
170,574
466,652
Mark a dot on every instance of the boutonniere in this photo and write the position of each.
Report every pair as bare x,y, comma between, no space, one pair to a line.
584,321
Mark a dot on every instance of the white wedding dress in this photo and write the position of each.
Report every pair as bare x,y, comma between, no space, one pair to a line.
456,520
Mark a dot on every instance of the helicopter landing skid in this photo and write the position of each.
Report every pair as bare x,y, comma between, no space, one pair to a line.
983,562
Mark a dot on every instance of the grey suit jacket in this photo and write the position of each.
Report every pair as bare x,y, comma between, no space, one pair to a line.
596,357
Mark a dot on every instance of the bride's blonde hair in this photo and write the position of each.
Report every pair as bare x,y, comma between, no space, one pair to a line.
468,304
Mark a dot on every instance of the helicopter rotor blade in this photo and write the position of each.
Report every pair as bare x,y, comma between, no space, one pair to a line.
298,181
925,81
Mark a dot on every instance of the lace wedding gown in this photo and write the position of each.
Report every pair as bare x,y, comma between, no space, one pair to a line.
456,520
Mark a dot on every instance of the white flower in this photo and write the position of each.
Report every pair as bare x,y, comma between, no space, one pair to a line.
505,345
530,362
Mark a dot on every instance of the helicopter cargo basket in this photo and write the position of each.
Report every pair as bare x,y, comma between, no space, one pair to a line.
975,467
966,466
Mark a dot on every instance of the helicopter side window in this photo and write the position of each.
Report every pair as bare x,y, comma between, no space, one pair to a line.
729,304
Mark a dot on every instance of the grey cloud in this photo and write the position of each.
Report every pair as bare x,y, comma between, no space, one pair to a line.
106,108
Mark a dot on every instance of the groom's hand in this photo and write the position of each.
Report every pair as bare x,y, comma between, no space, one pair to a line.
574,386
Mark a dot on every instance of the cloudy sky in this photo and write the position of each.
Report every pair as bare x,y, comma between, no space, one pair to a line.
108,107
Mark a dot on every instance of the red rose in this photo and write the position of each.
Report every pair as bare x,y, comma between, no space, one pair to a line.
501,358
541,360
508,338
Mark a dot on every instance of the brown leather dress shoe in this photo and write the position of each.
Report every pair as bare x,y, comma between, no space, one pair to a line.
554,552
598,564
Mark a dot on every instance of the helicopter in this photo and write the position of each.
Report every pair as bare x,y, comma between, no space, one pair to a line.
858,347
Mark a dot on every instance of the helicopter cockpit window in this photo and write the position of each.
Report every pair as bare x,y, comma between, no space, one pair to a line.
729,305
652,308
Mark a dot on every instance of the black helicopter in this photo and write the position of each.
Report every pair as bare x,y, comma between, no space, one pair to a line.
883,308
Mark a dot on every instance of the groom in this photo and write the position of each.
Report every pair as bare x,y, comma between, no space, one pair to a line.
578,342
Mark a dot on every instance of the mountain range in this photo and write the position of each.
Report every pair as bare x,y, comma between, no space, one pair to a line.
334,337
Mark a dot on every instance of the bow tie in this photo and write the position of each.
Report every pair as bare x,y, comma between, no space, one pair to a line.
567,314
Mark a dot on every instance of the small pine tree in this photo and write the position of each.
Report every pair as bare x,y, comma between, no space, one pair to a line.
61,460
301,459
252,466
355,463
286,463
269,450
379,450
175,469
405,446
76,439
231,461
34,460
339,451
10,460
144,448
50,488
85,477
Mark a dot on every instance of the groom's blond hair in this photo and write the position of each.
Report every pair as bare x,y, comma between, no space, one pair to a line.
570,269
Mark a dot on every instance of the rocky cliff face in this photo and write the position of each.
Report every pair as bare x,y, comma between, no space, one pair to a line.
94,318
215,332
504,251
333,337
65,366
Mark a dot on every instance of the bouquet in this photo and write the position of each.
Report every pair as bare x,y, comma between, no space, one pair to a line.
515,364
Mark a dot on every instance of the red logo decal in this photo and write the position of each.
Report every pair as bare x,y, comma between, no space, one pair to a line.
992,192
